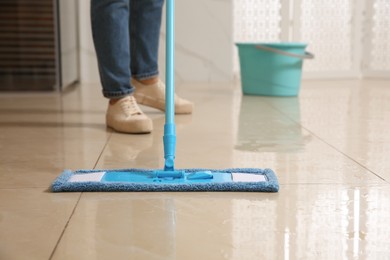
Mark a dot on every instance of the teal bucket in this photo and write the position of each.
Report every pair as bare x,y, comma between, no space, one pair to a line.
272,69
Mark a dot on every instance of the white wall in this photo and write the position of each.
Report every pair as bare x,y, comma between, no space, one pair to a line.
68,42
349,38
204,42
88,63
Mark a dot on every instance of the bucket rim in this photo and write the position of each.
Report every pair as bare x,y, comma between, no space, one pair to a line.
272,44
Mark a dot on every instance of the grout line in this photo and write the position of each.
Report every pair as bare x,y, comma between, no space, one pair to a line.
332,146
104,148
346,155
77,203
66,226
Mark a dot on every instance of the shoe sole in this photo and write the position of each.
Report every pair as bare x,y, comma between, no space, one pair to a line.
132,128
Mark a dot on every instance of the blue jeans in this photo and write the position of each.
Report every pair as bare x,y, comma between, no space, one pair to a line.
126,38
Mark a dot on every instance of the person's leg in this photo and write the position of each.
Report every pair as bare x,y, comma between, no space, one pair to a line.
145,24
110,31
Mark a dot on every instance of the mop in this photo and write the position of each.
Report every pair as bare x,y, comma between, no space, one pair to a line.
168,178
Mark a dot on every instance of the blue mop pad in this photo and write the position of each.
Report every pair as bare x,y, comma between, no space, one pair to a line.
239,179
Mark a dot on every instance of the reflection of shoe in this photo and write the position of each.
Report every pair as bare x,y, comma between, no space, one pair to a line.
154,96
124,148
125,116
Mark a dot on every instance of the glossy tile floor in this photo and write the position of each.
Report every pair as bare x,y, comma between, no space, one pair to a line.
330,149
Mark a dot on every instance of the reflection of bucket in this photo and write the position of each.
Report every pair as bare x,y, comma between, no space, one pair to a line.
272,69
270,131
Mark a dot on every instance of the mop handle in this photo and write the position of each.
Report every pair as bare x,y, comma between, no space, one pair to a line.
169,127
170,56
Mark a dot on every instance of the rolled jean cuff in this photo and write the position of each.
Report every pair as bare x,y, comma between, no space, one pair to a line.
117,94
143,76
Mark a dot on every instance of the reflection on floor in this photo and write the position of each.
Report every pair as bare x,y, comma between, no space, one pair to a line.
329,147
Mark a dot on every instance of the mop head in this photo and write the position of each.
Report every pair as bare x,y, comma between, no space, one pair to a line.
238,179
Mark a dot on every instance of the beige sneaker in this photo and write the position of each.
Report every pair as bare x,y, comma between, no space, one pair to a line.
154,96
125,116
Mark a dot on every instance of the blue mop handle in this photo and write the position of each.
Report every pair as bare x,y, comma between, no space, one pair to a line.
170,60
170,128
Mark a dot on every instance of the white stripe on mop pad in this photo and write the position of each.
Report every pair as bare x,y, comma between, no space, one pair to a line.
248,177
85,177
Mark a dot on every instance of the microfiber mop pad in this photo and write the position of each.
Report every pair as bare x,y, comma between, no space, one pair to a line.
235,179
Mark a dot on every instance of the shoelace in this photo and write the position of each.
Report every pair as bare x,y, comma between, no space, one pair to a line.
130,106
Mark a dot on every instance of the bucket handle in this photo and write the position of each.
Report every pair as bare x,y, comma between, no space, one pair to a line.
307,55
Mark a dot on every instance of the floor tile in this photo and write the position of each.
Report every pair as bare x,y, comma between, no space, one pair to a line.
351,116
301,221
32,221
36,155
